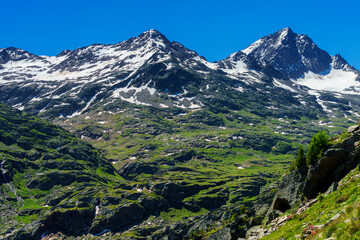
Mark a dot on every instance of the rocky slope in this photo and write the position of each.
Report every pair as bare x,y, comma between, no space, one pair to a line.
312,203
297,57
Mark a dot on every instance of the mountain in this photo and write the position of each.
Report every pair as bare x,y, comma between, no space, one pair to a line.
150,70
132,70
296,56
153,141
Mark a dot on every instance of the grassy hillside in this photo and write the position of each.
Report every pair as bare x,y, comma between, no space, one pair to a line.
336,215
157,169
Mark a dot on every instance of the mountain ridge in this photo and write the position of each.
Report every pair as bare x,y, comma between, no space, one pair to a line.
183,148
142,69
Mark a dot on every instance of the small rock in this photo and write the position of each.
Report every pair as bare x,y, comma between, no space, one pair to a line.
320,226
255,221
332,188
335,217
353,128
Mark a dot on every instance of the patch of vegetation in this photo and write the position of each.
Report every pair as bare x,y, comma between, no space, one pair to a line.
317,146
335,215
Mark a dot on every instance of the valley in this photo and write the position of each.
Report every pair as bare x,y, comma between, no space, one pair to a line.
145,139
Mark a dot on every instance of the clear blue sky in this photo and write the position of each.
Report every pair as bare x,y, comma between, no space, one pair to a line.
214,29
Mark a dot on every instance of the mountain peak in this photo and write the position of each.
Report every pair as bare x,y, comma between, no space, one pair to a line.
283,32
290,53
15,54
283,36
287,30
339,62
153,35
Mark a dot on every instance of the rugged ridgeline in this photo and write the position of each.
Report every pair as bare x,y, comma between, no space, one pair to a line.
186,145
285,73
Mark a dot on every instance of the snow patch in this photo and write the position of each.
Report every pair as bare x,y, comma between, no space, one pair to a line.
284,86
336,80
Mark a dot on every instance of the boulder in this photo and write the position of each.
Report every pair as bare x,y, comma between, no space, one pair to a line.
175,192
113,218
132,169
152,204
288,190
354,128
222,234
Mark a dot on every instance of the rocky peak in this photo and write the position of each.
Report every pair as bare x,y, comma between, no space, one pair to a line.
150,39
290,53
14,54
339,62
63,53
154,35
284,36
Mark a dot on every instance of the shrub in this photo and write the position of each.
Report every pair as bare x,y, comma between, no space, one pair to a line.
317,146
282,147
320,197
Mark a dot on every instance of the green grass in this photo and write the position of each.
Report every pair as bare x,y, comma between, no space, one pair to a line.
346,201
175,215
157,137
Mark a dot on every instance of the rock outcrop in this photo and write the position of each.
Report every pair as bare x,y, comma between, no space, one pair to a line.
304,184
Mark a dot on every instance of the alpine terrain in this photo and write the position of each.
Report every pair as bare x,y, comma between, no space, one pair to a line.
145,139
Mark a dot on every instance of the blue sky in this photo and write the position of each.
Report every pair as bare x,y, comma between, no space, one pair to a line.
214,29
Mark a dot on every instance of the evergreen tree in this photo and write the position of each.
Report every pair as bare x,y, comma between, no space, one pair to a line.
300,158
317,145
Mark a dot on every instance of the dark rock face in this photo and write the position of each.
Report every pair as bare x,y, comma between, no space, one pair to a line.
117,218
338,160
14,54
252,63
336,163
175,192
212,202
339,62
290,53
71,222
289,189
222,234
281,204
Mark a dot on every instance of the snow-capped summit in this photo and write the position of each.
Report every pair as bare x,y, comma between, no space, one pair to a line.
132,70
151,70
154,35
290,53
14,54
86,63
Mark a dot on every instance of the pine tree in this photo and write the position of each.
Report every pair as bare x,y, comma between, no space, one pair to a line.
317,145
300,158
